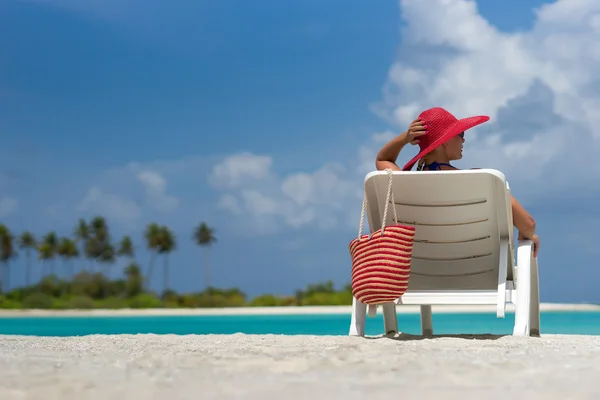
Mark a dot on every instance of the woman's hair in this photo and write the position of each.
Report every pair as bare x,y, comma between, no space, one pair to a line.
423,161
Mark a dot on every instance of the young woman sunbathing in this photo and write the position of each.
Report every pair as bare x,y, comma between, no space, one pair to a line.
440,137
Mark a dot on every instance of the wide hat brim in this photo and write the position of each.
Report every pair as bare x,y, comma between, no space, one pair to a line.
453,130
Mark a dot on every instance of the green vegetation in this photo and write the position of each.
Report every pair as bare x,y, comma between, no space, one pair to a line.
91,244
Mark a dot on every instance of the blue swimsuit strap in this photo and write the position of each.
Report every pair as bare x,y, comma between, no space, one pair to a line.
436,166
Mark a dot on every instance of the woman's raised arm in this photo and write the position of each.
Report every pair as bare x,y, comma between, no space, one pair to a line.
386,158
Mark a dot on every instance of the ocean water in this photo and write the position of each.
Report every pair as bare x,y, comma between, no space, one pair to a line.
557,322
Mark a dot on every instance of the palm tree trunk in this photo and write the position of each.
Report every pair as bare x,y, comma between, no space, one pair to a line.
166,274
7,275
206,268
5,278
150,269
63,285
28,268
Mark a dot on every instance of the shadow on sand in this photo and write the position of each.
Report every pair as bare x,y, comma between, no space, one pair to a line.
406,337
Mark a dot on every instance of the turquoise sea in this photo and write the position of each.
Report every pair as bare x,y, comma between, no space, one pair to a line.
557,322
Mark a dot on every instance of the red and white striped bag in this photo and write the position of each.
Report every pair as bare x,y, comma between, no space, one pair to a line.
381,260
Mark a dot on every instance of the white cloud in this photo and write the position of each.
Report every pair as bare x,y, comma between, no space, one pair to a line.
258,204
367,152
540,88
8,206
230,203
155,187
239,168
321,198
124,194
153,181
96,200
299,187
468,66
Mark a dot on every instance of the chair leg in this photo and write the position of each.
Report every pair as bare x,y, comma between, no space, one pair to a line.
390,319
426,321
372,310
358,319
534,307
502,271
523,306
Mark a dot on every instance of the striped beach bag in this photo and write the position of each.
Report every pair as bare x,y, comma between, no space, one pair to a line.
381,260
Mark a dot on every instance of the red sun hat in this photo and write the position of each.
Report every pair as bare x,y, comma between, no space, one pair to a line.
441,127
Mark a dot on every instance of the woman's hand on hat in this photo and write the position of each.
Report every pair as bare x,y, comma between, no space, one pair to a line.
415,130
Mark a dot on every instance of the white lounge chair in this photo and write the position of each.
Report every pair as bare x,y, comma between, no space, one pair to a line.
464,247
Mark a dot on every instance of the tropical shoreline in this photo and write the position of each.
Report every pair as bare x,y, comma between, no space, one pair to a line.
289,310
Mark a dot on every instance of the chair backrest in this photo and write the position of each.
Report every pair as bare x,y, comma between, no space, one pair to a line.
459,218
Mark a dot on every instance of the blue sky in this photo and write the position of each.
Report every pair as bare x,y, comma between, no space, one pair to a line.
225,111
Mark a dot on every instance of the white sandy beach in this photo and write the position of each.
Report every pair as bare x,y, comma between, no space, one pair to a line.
403,309
298,367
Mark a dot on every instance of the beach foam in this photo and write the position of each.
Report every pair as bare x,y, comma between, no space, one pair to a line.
401,309
294,367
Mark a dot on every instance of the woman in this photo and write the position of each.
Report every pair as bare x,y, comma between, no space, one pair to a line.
440,137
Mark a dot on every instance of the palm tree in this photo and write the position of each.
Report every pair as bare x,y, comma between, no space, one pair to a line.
27,242
152,236
82,235
204,237
98,246
166,245
45,253
126,247
91,251
7,252
50,242
132,271
106,257
68,250
99,238
99,228
134,279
